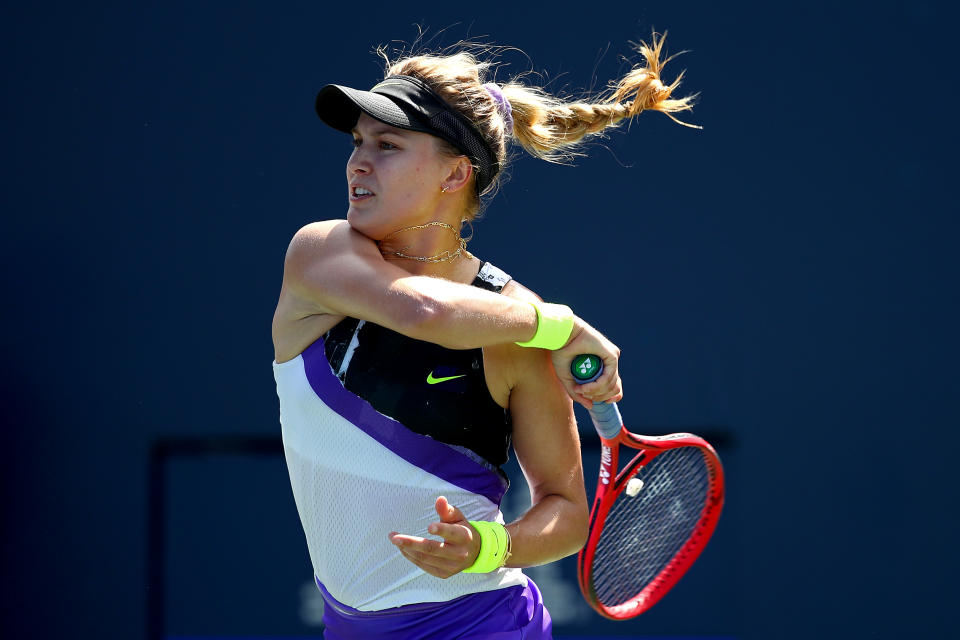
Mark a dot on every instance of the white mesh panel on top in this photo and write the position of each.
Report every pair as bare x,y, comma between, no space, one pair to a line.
351,492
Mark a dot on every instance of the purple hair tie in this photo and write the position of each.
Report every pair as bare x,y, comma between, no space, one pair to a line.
503,105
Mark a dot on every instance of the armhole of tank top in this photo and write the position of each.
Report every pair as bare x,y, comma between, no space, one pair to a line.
348,356
344,364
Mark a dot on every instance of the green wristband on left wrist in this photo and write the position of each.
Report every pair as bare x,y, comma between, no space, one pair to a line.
494,547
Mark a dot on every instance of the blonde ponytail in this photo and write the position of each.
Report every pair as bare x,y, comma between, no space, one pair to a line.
544,125
550,128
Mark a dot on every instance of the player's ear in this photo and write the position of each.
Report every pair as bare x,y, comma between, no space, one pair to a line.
458,177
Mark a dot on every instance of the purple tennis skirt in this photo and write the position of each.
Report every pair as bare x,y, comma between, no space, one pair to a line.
513,613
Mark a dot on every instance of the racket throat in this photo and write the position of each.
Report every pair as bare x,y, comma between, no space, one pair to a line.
606,464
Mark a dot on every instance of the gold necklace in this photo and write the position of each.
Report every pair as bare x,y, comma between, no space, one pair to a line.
444,256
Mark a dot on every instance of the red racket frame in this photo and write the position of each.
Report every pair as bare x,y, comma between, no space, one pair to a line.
609,486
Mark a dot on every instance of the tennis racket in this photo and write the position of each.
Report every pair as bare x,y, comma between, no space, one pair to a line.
651,518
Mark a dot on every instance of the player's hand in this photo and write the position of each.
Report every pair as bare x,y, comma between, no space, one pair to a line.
586,339
457,551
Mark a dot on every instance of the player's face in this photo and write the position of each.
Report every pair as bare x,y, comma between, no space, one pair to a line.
394,178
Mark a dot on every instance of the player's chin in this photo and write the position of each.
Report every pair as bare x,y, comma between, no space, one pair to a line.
355,218
362,222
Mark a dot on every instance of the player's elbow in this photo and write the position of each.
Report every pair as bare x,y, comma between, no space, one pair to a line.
580,528
575,520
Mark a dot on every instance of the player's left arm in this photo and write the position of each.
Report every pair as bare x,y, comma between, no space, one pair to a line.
547,446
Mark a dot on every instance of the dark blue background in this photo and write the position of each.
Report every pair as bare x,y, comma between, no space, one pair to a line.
787,274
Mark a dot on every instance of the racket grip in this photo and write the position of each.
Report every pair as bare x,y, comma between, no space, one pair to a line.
606,419
605,415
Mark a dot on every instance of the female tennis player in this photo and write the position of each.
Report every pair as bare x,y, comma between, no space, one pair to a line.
406,366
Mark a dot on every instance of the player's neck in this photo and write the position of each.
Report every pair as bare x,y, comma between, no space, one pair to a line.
463,269
431,249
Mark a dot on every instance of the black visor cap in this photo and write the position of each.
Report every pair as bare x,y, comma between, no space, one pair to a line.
408,103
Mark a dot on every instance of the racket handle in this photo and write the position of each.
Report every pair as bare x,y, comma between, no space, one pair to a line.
605,415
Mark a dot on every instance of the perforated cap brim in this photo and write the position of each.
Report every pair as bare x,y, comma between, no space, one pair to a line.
340,107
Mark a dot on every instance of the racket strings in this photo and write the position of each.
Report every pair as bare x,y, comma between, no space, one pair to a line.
643,533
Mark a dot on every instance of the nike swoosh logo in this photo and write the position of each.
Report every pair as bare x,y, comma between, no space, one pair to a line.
432,380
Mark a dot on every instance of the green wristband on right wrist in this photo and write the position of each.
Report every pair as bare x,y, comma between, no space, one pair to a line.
554,326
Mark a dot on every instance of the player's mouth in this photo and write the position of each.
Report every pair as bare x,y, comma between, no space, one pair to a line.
358,193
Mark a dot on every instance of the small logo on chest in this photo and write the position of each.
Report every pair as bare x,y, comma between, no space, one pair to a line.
440,375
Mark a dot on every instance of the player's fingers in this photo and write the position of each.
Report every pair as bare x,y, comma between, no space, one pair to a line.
442,507
439,560
617,392
596,393
425,547
608,388
586,402
453,533
448,512
415,543
452,557
571,388
605,395
434,569
426,566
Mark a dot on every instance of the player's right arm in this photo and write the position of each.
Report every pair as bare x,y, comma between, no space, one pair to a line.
332,269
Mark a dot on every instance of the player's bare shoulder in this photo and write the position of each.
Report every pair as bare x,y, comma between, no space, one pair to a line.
322,251
301,314
315,239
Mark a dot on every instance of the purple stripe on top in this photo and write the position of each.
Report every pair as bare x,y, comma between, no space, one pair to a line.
422,451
